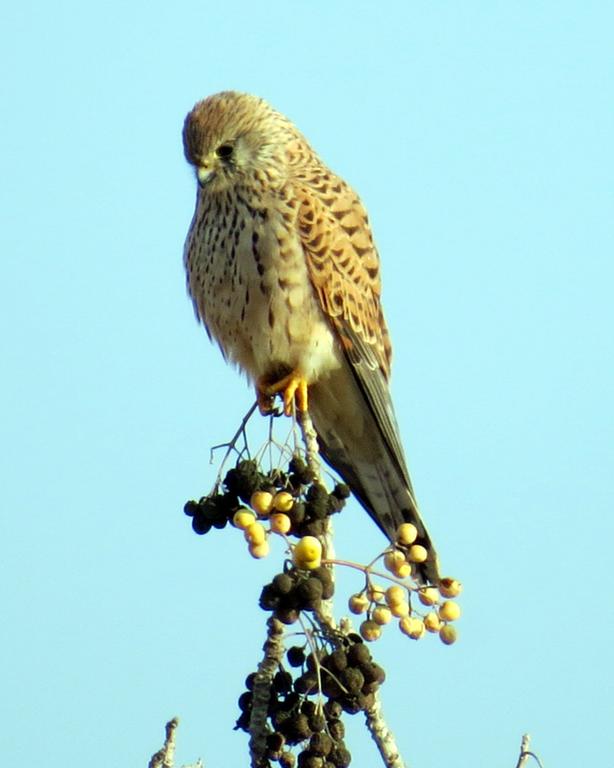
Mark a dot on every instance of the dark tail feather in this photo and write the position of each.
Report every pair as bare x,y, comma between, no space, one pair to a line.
353,443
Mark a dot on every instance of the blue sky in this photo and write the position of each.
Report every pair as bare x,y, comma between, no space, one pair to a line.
479,135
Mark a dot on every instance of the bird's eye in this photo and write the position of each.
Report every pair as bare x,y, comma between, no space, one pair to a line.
224,151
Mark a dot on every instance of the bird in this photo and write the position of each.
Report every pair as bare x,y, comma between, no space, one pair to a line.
284,274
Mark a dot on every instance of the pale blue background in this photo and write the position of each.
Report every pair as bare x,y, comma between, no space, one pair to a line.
479,135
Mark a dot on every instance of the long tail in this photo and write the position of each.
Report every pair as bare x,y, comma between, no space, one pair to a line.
359,438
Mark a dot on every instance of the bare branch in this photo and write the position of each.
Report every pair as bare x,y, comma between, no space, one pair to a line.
263,680
525,753
382,735
165,757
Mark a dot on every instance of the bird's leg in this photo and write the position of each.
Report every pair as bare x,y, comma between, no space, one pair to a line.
292,387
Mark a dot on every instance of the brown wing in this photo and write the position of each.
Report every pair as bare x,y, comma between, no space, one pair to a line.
344,268
352,410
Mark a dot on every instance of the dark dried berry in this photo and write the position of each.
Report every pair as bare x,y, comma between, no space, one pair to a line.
309,708
311,659
242,722
227,504
279,717
190,508
269,598
350,704
219,521
332,709
282,682
200,524
315,528
307,759
353,638
301,473
366,700
324,574
283,583
309,591
316,510
342,491
275,741
296,656
320,744
317,722
292,701
290,600
358,653
336,728
352,680
296,728
340,757
297,513
287,615
369,688
330,686
287,760
306,683
249,681
245,701
243,480
373,673
317,492
337,661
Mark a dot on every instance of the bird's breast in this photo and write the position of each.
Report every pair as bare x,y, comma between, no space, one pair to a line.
248,278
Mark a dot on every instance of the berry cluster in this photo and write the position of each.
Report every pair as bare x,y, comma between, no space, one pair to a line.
295,590
382,605
292,503
346,676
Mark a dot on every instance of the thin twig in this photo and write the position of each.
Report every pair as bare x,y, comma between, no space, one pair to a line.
231,445
263,681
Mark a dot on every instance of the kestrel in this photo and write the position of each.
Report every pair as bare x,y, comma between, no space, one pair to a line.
284,275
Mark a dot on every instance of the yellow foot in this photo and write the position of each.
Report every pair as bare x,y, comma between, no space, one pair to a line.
292,387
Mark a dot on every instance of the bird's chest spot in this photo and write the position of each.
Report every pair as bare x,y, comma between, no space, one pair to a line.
256,295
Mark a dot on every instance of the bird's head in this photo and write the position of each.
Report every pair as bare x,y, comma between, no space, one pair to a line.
231,138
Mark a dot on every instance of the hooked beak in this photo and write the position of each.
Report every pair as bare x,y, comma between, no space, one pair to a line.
204,175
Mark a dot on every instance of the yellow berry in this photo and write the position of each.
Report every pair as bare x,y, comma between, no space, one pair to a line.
381,614
393,559
358,603
370,631
432,622
280,523
402,570
283,501
395,594
450,587
260,502
449,611
447,634
255,533
412,627
400,609
375,593
417,553
307,554
428,596
243,518
259,550
407,533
